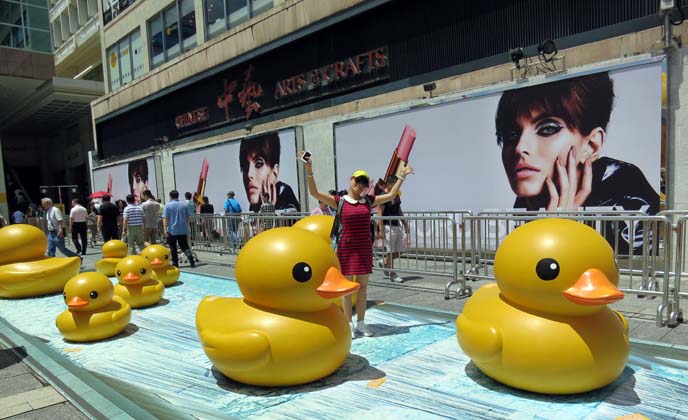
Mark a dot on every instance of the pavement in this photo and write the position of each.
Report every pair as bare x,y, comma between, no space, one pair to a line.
29,390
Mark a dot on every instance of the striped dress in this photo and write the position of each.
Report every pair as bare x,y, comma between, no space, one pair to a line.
355,250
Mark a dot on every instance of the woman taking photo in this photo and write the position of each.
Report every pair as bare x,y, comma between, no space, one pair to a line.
354,250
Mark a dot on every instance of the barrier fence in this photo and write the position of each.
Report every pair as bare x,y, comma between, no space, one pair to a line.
451,249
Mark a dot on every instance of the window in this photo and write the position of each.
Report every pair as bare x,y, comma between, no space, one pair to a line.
113,8
25,26
137,54
222,15
172,32
125,60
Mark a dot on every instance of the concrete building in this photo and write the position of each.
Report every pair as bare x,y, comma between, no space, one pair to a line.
45,122
185,76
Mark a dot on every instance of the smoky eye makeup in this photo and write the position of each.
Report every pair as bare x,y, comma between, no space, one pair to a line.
549,127
508,136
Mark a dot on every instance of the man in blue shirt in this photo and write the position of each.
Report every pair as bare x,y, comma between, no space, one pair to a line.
175,222
232,206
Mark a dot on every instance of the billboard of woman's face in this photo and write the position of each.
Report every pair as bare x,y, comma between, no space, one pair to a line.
263,163
133,177
587,141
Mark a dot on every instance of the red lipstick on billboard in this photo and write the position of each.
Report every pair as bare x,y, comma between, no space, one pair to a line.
401,153
200,189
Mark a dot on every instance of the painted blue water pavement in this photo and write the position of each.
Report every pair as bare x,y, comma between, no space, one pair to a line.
412,369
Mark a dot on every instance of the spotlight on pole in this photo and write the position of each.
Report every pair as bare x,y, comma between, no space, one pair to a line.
516,56
548,50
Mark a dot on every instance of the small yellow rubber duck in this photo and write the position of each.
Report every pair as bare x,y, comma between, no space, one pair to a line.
94,312
286,330
113,252
545,326
137,283
25,271
161,261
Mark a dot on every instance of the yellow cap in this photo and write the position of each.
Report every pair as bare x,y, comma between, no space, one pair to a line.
360,172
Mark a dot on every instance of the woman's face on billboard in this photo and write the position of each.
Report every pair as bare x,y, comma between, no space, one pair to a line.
531,148
259,177
138,186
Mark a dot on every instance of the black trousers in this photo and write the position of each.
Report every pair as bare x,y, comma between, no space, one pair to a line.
79,230
172,241
109,232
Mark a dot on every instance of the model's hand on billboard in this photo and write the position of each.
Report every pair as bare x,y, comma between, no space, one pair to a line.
570,194
270,187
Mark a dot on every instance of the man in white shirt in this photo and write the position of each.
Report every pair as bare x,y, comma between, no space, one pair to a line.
151,213
55,223
77,224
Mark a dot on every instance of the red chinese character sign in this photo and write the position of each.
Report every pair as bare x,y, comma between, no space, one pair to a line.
248,94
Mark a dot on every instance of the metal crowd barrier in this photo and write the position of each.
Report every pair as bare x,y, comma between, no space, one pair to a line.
645,268
435,246
460,247
229,233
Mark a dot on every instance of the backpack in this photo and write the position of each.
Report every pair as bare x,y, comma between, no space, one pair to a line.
336,232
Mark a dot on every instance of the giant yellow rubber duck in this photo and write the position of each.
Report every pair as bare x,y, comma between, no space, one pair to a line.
160,259
25,270
137,283
286,330
94,312
545,326
113,252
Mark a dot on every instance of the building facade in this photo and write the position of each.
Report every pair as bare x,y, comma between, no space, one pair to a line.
45,119
192,83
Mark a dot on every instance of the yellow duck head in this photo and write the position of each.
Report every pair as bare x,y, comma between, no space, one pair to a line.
133,270
557,266
158,255
88,292
20,243
292,268
115,249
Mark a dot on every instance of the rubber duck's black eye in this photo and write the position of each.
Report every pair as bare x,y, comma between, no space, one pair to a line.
547,269
64,295
119,273
93,294
167,257
146,257
302,272
142,271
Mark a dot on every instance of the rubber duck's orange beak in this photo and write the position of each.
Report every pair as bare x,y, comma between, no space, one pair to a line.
157,262
593,288
336,285
77,302
130,277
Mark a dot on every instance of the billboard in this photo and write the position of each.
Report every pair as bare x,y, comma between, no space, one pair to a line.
133,177
462,164
248,167
577,142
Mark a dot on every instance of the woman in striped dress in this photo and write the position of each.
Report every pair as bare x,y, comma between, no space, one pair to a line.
355,251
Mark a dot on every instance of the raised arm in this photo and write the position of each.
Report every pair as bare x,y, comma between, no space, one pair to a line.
383,198
312,188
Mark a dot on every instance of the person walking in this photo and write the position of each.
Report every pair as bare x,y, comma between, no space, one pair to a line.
77,225
151,212
207,211
132,225
354,248
107,219
232,206
56,230
175,222
91,222
396,241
